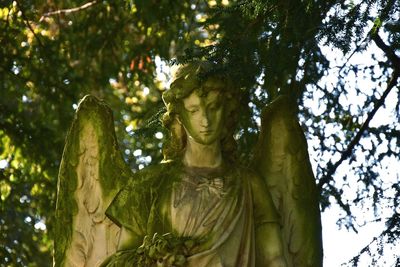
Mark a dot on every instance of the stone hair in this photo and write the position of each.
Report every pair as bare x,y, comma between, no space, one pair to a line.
199,76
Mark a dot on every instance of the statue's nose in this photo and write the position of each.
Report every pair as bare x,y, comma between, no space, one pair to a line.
205,121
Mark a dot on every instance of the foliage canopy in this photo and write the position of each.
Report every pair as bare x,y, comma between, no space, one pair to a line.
54,52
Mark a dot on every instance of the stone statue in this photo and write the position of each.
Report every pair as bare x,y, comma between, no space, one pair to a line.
199,206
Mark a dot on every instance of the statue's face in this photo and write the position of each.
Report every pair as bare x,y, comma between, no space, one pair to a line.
202,116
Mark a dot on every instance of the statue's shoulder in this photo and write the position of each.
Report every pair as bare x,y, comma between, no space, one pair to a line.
135,198
264,208
248,176
246,172
254,179
154,175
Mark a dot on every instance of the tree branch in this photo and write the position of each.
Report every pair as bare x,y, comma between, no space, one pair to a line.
392,223
70,10
395,60
26,20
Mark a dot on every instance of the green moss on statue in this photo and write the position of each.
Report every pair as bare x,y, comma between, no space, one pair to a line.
113,172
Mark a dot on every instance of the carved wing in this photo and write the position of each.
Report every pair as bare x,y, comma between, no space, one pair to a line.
92,171
281,158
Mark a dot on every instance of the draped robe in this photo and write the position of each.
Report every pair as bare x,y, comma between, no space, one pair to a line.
215,207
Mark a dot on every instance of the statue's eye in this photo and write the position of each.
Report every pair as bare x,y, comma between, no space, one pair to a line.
214,106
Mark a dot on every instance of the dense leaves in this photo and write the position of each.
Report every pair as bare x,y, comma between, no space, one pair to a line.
52,53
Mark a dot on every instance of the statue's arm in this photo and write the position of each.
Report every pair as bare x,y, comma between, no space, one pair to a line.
127,242
269,243
125,212
269,249
128,239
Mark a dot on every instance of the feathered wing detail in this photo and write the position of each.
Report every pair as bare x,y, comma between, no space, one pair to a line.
281,158
92,171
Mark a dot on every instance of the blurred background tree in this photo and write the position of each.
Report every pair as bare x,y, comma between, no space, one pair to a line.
52,53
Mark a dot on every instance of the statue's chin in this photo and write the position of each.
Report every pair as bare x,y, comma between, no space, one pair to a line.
207,138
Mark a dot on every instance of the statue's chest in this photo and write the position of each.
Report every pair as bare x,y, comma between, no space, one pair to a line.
200,203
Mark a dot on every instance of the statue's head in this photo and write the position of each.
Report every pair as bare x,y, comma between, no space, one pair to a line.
200,104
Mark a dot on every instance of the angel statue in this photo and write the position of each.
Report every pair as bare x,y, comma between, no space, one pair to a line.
200,206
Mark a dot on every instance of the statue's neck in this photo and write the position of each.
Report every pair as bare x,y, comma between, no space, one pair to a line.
199,155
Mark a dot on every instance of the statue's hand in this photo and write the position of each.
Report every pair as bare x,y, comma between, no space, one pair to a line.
160,250
278,262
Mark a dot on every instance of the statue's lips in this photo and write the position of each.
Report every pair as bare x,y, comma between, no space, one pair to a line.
207,132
